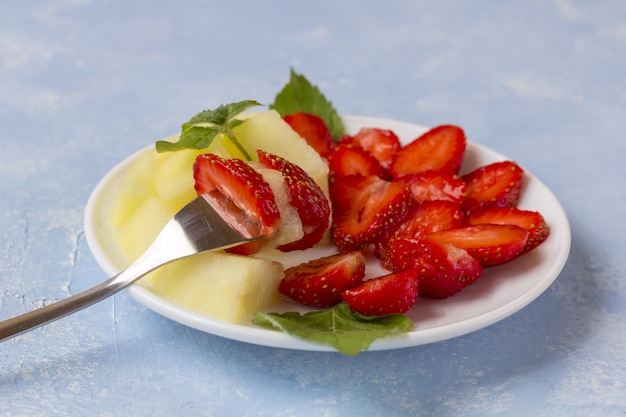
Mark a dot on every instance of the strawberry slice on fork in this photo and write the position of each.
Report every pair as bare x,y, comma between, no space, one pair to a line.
305,196
241,185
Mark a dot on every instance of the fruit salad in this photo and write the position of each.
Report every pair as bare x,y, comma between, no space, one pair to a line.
361,197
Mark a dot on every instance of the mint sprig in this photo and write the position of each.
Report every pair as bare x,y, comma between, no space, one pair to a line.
299,95
340,327
200,131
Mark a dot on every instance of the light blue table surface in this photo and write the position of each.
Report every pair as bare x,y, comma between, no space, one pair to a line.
83,83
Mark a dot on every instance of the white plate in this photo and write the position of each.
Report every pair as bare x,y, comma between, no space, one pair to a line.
501,292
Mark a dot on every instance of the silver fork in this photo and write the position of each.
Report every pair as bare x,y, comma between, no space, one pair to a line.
210,222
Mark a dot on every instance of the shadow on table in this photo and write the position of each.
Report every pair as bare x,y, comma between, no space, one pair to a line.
437,379
445,377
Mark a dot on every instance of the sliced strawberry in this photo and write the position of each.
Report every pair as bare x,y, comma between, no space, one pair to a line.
306,196
390,294
434,185
382,144
491,244
439,149
531,221
400,254
444,269
365,208
320,282
243,186
312,129
494,185
346,159
428,217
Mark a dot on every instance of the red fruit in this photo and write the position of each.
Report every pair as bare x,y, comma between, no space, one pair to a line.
346,159
400,254
305,196
494,185
390,294
444,269
312,129
320,282
243,186
531,221
434,185
382,144
439,149
365,208
491,244
428,217
431,216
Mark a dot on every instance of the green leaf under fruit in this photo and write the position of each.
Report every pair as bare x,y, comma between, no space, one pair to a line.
339,326
200,131
299,95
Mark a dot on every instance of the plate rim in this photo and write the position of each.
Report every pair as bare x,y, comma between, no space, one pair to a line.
271,338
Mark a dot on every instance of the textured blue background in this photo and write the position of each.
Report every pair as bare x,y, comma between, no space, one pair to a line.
83,83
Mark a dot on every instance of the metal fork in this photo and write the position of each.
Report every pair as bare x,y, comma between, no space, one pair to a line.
210,222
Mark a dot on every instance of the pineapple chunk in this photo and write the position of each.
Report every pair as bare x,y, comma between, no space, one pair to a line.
136,185
143,226
173,177
268,131
153,189
225,147
223,286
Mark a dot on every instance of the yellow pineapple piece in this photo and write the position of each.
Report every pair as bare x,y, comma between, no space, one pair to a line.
152,190
145,223
225,147
173,177
268,131
223,286
136,185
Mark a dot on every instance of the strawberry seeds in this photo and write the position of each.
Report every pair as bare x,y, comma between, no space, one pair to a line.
432,229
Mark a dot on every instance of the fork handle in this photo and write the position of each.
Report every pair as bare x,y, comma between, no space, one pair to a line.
27,321
194,229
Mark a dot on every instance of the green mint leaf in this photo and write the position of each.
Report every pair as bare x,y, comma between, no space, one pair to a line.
299,95
223,113
194,137
340,327
201,129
